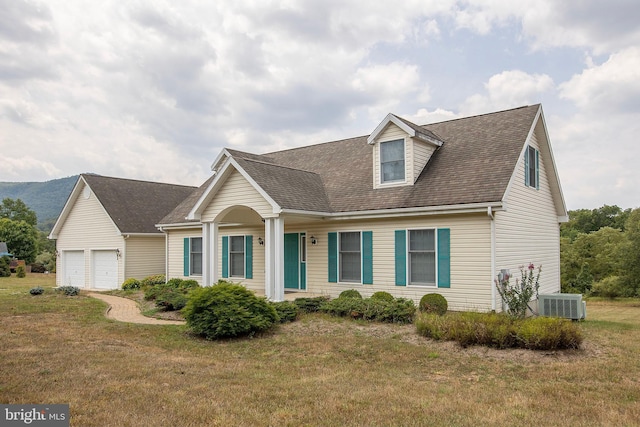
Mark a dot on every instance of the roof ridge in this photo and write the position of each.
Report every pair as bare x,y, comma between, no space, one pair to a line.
95,175
481,115
280,166
315,145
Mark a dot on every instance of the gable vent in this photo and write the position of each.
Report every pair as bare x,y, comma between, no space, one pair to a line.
569,306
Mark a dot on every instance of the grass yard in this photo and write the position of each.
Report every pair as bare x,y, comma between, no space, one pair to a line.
317,371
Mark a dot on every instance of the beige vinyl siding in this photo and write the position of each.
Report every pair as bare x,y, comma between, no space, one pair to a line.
175,251
392,133
87,228
470,259
528,231
236,191
421,154
145,256
257,283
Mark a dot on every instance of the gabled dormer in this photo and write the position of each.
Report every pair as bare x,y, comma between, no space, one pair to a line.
401,150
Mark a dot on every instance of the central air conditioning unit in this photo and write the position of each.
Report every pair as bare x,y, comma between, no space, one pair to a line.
569,306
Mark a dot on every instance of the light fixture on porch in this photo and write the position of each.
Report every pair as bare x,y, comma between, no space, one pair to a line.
118,253
260,241
314,241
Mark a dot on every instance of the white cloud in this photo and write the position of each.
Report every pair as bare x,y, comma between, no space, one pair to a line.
613,85
508,89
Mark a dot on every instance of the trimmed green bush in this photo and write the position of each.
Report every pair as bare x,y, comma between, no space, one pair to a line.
501,331
287,311
350,293
382,295
310,305
156,279
189,284
433,303
36,291
610,287
68,290
130,284
5,271
397,311
21,272
170,298
227,310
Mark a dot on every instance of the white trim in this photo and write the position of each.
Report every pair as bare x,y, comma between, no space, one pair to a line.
490,214
391,118
408,258
339,282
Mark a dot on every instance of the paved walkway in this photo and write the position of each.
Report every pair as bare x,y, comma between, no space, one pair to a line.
126,310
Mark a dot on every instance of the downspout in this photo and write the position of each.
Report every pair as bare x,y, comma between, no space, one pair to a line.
493,256
166,252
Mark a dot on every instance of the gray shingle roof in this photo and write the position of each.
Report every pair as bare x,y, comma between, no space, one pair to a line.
474,165
136,206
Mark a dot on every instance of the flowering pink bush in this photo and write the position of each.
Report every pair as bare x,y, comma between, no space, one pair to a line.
517,297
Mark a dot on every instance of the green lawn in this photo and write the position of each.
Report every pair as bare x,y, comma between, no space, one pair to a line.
317,371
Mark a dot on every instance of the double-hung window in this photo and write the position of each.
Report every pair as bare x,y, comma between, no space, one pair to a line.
350,257
532,168
422,257
392,161
236,256
195,256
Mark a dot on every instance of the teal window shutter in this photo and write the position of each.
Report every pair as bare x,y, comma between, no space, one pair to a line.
537,170
248,257
526,167
401,257
367,258
333,257
187,251
444,258
225,256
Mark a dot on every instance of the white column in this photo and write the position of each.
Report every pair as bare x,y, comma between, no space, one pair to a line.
206,260
278,261
215,254
274,259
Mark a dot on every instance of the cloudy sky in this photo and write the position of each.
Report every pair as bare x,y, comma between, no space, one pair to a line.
153,89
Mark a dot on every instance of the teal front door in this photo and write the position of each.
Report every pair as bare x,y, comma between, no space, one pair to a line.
295,261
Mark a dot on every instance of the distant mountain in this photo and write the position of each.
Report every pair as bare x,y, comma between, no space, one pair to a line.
46,199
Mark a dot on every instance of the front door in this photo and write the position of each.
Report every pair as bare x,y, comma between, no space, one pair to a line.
295,254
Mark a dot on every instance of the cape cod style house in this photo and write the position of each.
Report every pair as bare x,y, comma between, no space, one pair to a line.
106,231
408,209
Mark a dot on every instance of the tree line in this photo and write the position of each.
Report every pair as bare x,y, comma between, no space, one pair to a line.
600,252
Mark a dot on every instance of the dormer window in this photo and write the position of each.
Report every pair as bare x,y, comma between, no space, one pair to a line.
392,161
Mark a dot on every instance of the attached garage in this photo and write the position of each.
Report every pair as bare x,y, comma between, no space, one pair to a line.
73,268
105,269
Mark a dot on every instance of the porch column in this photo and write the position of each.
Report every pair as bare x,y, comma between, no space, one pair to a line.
206,247
209,253
274,259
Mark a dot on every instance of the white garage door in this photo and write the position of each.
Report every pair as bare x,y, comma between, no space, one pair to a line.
73,268
105,270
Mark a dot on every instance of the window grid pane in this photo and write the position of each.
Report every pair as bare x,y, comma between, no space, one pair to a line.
422,257
350,257
392,160
236,256
532,167
195,257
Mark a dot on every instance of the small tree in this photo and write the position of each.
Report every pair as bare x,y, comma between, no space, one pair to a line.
517,297
5,271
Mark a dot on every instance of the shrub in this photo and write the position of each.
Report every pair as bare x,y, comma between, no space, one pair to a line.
345,307
227,310
501,331
47,260
131,283
38,268
189,284
397,311
21,272
609,287
153,280
434,303
350,293
287,311
310,305
170,298
174,283
36,291
518,296
5,271
68,290
384,296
